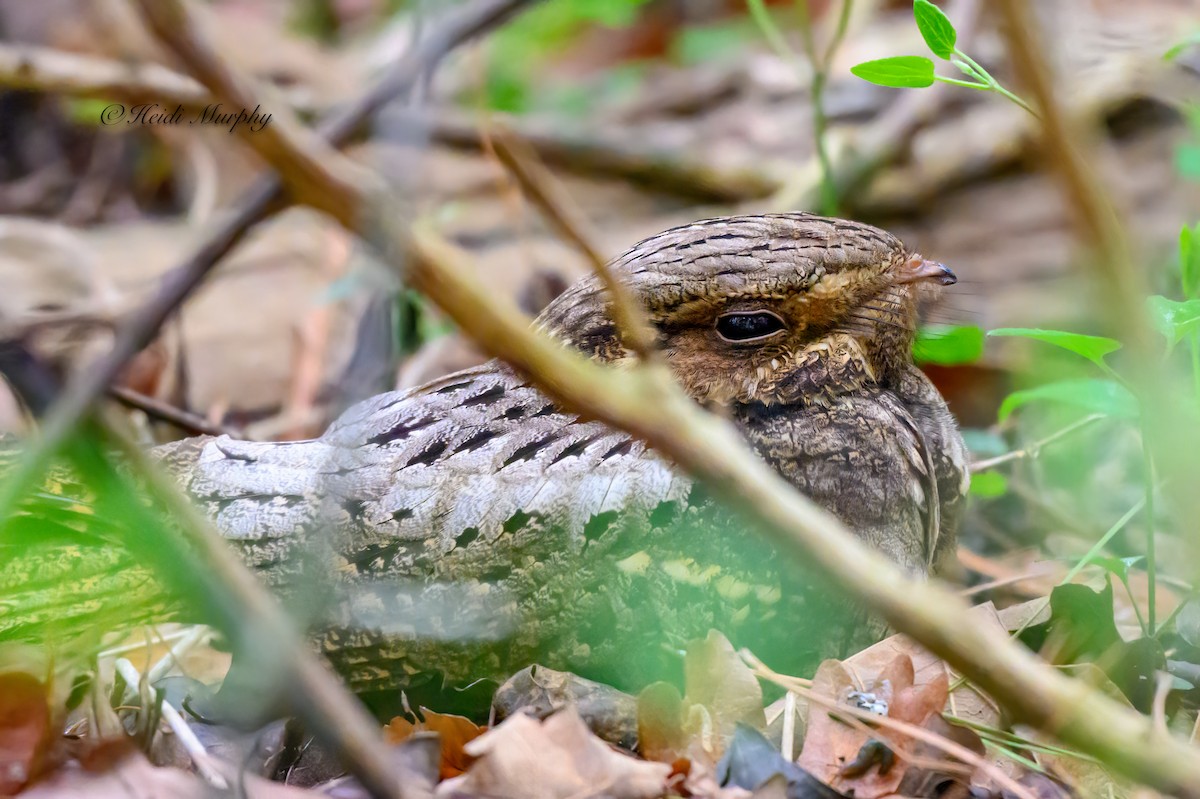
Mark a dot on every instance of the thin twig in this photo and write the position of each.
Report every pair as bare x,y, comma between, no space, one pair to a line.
156,408
882,142
820,76
46,70
203,761
564,215
1032,450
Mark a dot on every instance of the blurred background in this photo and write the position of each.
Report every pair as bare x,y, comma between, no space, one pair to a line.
651,113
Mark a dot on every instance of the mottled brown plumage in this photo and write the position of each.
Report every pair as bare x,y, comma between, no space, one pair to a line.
470,527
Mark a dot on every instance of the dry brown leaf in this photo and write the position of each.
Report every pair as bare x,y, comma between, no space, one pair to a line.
455,733
660,723
831,745
552,759
24,729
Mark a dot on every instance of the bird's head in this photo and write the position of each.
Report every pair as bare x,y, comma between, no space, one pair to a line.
773,309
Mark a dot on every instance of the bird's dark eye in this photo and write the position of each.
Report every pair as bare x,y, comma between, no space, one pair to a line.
748,325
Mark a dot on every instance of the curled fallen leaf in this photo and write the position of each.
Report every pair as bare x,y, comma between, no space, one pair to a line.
455,733
556,758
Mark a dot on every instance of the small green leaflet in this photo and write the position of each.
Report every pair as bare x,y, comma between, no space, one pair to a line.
948,345
935,28
898,72
1175,320
1097,396
1094,348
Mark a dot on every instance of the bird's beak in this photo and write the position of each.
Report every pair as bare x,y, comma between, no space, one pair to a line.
918,268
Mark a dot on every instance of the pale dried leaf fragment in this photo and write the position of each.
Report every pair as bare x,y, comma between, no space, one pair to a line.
722,692
552,759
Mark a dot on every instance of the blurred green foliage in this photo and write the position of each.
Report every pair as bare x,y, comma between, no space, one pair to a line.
948,345
700,44
518,50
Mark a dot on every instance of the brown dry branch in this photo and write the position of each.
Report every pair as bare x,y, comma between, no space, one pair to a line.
644,401
320,176
47,70
661,172
565,216
157,409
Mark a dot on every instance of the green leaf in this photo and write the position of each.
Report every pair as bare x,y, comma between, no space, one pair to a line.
1094,348
1097,396
1175,320
948,345
936,28
989,485
1189,261
898,72
1117,567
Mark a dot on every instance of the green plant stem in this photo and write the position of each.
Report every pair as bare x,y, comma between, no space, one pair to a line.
1194,346
762,18
1014,98
1151,565
1117,527
972,68
820,76
966,83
